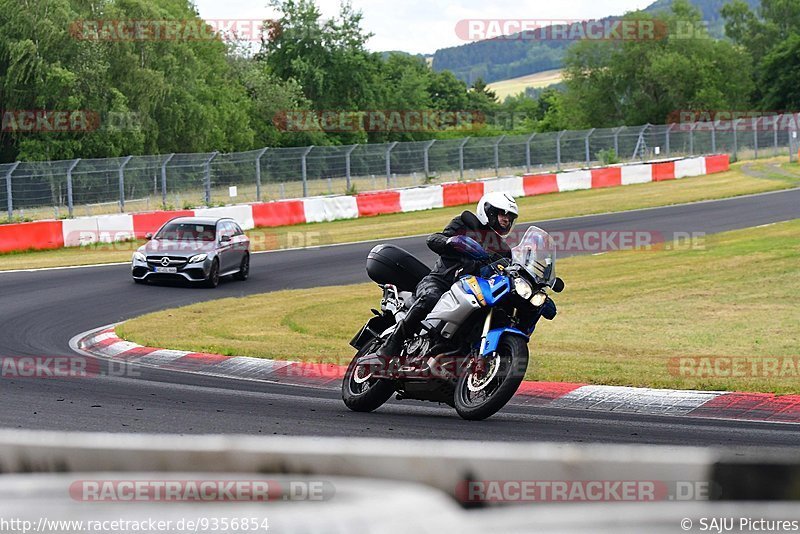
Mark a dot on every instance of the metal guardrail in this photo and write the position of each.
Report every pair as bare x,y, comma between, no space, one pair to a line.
49,189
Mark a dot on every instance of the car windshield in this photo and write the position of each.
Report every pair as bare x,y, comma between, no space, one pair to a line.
536,253
188,232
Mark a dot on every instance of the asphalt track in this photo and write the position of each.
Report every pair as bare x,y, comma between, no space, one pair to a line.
41,311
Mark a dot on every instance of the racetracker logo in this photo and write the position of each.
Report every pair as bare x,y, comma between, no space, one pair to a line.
49,367
508,491
722,121
378,121
174,30
561,30
735,367
196,490
49,121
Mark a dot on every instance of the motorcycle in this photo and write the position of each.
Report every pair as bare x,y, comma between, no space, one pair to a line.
471,352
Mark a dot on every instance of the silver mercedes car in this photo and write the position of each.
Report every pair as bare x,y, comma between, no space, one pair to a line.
194,249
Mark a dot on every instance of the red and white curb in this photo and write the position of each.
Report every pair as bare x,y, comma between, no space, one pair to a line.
104,343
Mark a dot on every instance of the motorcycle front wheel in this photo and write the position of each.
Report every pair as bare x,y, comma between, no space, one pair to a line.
481,393
360,392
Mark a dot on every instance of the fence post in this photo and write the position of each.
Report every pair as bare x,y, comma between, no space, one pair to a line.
347,166
755,136
714,136
69,185
775,133
207,178
9,197
461,158
586,141
389,164
164,180
497,156
642,140
122,184
258,173
558,149
304,165
616,139
427,159
528,153
667,147
691,138
736,139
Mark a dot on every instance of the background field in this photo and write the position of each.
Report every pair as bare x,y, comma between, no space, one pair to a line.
514,86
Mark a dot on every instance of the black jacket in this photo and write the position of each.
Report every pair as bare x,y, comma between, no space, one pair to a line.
450,260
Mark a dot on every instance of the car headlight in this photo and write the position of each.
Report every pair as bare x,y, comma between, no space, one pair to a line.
523,288
198,258
538,299
139,256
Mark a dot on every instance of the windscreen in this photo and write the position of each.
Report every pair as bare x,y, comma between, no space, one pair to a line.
536,253
187,232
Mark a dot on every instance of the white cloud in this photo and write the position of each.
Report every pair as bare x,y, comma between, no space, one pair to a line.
423,26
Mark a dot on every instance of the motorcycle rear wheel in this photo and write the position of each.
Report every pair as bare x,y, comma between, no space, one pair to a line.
364,395
512,359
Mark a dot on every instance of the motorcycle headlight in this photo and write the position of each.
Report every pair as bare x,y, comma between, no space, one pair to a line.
539,299
198,258
139,256
523,288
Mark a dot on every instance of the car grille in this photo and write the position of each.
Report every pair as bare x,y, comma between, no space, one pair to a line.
174,261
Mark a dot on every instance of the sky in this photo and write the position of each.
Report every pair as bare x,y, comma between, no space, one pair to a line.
423,26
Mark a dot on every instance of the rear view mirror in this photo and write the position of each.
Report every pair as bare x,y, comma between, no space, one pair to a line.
148,236
558,285
225,239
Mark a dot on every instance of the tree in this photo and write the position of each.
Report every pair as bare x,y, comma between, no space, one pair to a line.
780,72
610,83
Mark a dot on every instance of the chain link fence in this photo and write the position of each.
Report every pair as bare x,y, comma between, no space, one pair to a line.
38,190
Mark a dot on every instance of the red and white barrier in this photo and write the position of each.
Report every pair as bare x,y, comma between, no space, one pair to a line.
574,181
421,198
323,209
110,228
241,214
685,168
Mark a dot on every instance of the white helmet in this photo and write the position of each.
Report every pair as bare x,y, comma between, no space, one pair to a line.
491,204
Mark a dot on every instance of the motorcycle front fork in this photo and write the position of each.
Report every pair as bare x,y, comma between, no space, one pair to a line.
487,325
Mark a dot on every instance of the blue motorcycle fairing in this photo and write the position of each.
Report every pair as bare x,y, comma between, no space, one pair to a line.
494,336
489,291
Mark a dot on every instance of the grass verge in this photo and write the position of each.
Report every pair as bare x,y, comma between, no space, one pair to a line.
723,185
624,318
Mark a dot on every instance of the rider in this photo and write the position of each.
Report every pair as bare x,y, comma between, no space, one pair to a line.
495,218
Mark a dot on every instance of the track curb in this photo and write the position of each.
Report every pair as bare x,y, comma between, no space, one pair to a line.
104,343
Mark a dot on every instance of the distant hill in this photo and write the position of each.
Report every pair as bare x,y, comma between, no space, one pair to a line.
503,59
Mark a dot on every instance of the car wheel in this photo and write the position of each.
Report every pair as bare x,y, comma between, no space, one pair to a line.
213,275
244,269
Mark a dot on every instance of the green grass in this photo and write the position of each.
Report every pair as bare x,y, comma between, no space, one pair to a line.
722,185
623,317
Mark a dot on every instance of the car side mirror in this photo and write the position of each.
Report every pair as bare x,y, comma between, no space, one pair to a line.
148,236
225,239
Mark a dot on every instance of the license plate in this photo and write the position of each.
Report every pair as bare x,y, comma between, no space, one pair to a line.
167,270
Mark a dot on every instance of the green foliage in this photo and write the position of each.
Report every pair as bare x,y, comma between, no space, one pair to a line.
771,38
608,157
646,81
15,219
